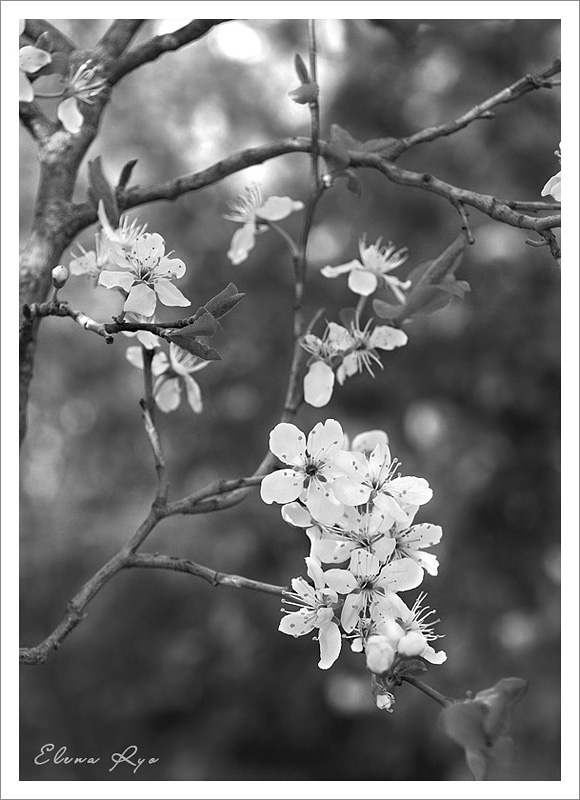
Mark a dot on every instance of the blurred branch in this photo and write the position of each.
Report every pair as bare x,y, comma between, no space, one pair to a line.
480,111
487,204
157,561
35,122
35,27
530,205
119,34
159,45
428,690
148,408
210,497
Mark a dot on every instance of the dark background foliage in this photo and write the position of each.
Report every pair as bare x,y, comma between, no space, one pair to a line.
200,677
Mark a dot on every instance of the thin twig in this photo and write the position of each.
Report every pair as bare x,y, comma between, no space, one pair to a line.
157,561
526,84
464,222
428,690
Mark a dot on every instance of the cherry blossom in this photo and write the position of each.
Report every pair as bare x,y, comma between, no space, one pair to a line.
81,86
312,468
172,375
410,632
410,541
377,474
364,530
371,271
146,276
255,213
315,610
371,588
554,186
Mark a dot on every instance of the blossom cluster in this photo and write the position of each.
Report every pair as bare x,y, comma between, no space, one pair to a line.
357,510
79,85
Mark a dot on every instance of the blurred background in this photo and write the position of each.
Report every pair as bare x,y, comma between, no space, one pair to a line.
200,677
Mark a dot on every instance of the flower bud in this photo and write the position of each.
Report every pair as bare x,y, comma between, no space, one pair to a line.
60,275
385,702
412,644
380,654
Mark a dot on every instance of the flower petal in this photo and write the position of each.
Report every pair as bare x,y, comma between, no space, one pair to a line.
318,384
70,116
322,505
325,440
295,514
298,623
243,241
334,272
408,489
169,294
281,486
141,299
367,441
25,90
114,280
341,580
167,394
330,642
387,338
351,611
350,492
362,282
277,208
554,187
401,575
31,59
193,394
172,266
287,442
134,355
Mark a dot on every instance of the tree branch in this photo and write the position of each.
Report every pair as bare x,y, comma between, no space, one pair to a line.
119,34
159,45
34,28
480,111
157,561
35,122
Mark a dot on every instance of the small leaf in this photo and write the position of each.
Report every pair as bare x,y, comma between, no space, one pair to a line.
191,345
45,42
386,310
306,93
223,302
204,325
59,65
337,156
100,189
301,70
126,173
410,666
353,183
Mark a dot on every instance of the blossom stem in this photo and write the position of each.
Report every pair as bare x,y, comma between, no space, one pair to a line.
314,106
292,246
428,690
48,95
149,403
360,306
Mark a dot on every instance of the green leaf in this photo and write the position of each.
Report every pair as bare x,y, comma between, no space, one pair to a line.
126,173
409,666
386,310
204,325
191,345
337,156
353,183
100,189
381,146
301,69
347,316
223,302
306,93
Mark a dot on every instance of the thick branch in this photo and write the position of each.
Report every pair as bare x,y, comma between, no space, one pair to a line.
34,27
480,111
159,45
157,561
119,34
35,122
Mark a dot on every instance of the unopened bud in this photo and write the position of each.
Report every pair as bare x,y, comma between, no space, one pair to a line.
413,644
60,275
385,702
380,654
